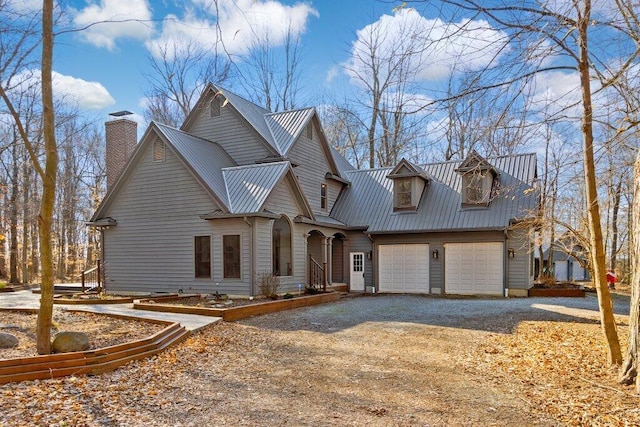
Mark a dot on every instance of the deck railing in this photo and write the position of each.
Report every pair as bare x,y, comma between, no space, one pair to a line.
92,278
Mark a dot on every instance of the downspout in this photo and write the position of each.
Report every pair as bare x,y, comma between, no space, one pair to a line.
253,255
103,272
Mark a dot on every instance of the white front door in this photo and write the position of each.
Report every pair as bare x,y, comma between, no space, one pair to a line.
357,271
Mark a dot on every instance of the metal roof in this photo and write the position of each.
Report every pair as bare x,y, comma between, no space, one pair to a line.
342,164
369,199
286,126
249,186
205,158
252,113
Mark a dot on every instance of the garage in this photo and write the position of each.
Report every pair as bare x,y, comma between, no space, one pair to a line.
474,268
404,268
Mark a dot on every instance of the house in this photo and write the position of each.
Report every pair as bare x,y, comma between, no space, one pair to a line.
239,191
570,260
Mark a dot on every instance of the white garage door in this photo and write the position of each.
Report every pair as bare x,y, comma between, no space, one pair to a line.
474,268
404,268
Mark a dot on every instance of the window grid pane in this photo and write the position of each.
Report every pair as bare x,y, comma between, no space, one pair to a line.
202,256
231,256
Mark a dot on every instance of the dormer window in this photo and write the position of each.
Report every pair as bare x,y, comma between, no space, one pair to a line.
409,182
403,192
477,181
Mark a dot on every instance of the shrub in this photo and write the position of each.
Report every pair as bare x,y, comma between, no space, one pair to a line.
311,290
269,285
287,296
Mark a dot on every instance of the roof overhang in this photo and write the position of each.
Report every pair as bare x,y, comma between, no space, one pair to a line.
102,223
223,215
335,177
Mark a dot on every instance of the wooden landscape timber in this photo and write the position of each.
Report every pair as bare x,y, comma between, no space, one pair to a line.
236,313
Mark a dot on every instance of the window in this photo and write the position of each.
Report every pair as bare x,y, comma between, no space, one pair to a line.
323,196
310,130
216,106
474,188
231,266
281,241
403,192
202,258
158,151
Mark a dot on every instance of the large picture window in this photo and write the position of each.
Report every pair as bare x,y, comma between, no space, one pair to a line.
231,246
202,256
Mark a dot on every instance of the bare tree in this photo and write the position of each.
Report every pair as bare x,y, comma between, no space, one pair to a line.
271,74
565,29
179,73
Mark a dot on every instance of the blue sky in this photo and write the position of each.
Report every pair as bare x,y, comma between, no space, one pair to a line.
103,66
117,58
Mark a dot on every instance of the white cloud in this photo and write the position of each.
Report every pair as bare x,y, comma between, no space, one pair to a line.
110,20
430,48
83,94
238,24
24,6
331,74
87,95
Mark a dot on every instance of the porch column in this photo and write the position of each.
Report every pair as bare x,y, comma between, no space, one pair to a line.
329,272
305,239
325,263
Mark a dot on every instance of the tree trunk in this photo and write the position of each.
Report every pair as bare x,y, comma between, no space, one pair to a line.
607,318
629,371
614,225
45,314
13,216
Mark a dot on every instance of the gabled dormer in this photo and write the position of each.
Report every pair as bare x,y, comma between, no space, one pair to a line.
409,182
478,177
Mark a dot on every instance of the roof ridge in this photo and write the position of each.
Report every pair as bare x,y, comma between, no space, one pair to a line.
249,166
274,113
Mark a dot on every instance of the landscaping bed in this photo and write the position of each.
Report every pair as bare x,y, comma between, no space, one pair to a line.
103,331
561,289
241,309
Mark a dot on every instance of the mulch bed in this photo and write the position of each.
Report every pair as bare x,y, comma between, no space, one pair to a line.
103,330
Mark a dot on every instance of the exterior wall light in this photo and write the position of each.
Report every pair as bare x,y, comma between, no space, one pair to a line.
434,254
512,253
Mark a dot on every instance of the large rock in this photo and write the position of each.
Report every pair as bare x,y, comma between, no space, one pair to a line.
8,340
65,342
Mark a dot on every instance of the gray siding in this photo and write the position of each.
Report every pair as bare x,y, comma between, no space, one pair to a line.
231,132
519,267
311,171
152,247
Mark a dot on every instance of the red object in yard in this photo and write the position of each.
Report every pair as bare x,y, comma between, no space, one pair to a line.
611,279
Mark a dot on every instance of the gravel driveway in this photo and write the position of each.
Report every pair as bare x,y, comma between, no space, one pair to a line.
374,360
472,313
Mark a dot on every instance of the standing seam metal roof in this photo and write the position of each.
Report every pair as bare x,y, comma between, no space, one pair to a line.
204,157
286,126
369,199
249,186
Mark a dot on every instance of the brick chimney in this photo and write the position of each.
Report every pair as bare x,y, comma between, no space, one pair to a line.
122,136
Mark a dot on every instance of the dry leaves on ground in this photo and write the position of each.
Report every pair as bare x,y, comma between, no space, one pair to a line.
560,370
103,331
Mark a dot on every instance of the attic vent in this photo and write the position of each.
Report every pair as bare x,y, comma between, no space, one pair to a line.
310,130
216,105
158,151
